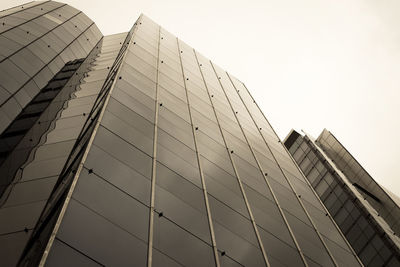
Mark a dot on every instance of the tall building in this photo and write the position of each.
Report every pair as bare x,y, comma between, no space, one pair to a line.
136,150
367,214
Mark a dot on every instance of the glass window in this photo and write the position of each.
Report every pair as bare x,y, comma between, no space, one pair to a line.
313,175
279,250
15,245
162,260
232,199
309,241
31,191
123,151
12,77
237,248
119,174
7,47
114,246
177,147
110,202
342,256
64,256
136,135
180,245
28,214
367,254
232,220
180,212
178,165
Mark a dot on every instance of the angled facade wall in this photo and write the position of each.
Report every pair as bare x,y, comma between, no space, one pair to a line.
36,41
47,51
158,157
183,169
385,205
366,229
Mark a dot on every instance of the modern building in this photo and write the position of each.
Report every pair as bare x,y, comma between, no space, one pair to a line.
367,214
136,150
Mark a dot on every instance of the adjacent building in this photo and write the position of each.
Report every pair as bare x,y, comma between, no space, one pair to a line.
367,214
135,150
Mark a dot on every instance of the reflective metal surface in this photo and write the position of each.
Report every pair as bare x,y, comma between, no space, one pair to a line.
158,157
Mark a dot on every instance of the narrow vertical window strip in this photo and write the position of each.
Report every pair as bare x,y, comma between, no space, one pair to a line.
235,171
288,181
262,171
308,182
240,183
343,235
210,222
83,159
154,162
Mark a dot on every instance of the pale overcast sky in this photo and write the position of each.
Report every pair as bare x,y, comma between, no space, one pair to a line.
309,64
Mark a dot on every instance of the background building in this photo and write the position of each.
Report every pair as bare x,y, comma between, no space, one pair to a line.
134,149
367,215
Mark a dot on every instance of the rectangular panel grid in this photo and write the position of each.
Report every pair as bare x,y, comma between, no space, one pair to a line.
161,159
214,183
